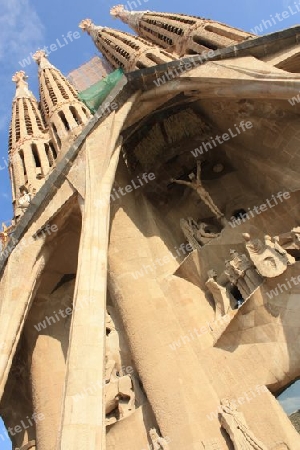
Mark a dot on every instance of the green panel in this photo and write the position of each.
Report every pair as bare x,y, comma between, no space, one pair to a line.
95,95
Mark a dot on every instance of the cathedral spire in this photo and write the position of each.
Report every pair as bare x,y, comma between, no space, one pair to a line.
180,33
123,49
29,148
65,114
131,18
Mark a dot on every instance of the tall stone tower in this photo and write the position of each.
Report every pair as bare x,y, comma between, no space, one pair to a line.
149,294
180,33
124,50
64,113
30,150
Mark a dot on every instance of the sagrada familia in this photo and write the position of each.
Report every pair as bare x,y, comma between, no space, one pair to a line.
150,280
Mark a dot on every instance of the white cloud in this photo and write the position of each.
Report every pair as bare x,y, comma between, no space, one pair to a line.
21,31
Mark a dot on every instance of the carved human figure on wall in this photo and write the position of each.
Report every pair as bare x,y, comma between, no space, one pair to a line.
196,234
273,243
188,231
203,233
119,389
269,261
242,274
236,426
246,269
196,184
219,293
158,442
296,236
25,198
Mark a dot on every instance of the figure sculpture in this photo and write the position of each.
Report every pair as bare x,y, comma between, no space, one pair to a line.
119,390
236,426
273,243
196,184
269,258
219,293
159,443
196,234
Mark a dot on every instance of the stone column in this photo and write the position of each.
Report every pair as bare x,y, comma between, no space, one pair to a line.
175,382
83,422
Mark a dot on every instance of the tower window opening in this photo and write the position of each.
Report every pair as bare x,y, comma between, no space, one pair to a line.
60,86
76,116
51,153
37,117
27,118
51,91
85,112
205,42
64,120
21,154
56,135
53,149
36,155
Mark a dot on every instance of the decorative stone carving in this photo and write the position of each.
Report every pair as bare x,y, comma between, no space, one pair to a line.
25,198
242,273
273,243
188,231
119,391
197,234
269,258
219,293
196,184
236,426
296,237
159,443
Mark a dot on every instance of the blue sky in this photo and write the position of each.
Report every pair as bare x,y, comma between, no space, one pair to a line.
26,25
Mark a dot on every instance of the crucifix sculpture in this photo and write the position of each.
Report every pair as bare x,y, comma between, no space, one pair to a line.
197,185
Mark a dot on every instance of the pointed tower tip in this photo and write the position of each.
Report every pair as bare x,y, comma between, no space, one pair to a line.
86,25
118,11
40,57
20,77
22,86
131,18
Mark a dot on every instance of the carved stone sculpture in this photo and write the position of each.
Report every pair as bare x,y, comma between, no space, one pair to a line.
203,233
219,293
119,391
243,266
25,198
296,236
196,184
197,234
236,426
273,243
159,443
242,273
188,231
269,261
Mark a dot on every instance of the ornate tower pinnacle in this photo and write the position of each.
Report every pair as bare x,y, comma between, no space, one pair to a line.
180,33
132,18
22,90
31,154
65,114
123,49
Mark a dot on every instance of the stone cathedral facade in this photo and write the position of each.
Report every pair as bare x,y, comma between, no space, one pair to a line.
150,282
